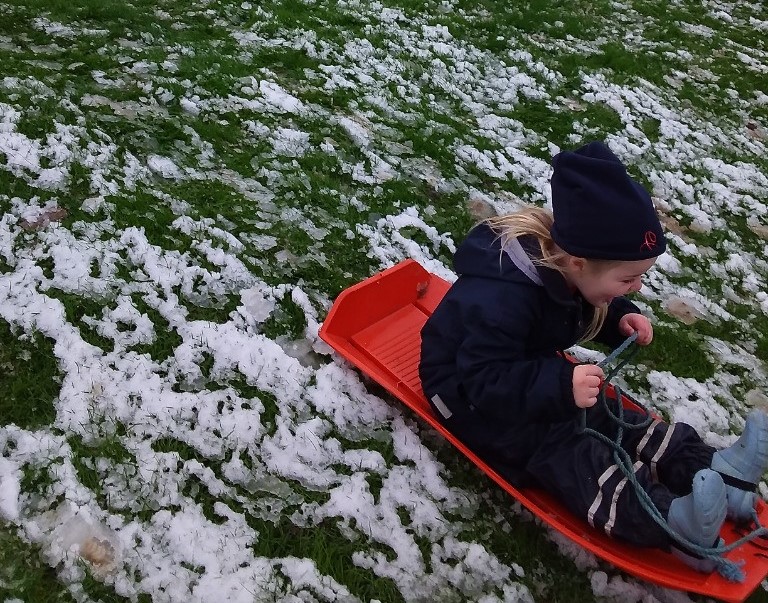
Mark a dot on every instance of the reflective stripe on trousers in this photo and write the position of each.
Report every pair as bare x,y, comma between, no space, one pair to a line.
611,489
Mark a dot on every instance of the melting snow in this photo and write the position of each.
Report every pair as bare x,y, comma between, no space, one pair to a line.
292,445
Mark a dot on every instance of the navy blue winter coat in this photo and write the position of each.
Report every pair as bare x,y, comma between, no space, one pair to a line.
490,350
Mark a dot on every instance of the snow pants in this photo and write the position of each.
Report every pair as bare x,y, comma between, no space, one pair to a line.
580,471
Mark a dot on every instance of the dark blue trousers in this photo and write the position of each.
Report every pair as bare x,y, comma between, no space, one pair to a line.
580,471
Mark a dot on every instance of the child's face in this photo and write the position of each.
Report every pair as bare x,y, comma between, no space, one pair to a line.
600,282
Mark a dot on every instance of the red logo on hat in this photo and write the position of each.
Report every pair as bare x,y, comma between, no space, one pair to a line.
650,241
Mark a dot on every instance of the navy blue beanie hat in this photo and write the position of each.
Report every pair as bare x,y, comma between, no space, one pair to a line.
600,212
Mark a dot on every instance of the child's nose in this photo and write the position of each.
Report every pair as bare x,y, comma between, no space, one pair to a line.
637,285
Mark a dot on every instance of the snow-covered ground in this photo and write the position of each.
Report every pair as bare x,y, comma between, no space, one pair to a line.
183,200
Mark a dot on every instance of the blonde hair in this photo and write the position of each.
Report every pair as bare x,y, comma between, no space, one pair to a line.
537,222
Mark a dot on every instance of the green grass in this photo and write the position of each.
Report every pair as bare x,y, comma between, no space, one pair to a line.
420,93
29,379
25,575
676,350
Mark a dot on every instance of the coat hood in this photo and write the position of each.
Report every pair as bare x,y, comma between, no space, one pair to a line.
481,255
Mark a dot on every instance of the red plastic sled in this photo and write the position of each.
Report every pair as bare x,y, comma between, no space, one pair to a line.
375,325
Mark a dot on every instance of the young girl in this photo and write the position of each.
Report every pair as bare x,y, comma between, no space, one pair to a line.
534,283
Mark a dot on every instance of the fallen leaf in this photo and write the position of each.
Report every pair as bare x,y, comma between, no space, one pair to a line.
480,209
48,215
683,310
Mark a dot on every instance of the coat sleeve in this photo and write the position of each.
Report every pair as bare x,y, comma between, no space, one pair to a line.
498,377
609,334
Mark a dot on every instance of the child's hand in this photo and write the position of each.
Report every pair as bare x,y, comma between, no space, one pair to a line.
586,384
630,323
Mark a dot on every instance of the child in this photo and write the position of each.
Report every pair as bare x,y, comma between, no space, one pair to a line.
534,283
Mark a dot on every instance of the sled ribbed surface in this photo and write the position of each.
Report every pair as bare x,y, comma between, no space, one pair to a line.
396,345
375,325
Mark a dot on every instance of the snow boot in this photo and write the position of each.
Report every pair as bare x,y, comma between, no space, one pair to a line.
742,464
698,518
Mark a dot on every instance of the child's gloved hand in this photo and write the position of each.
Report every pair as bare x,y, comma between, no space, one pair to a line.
586,384
630,323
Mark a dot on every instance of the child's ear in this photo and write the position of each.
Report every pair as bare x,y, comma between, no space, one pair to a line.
576,264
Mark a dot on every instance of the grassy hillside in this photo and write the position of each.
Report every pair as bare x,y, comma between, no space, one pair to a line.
186,187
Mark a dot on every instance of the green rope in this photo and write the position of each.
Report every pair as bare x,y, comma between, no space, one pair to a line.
730,570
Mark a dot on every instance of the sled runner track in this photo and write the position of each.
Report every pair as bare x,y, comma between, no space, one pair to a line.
376,326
